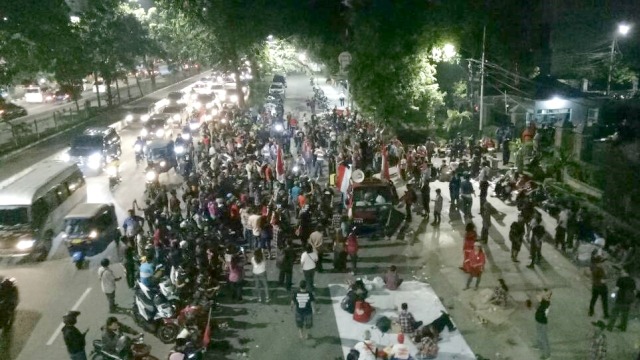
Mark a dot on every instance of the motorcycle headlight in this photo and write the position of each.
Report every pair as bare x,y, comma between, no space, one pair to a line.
95,160
151,175
176,117
185,136
144,118
160,133
279,127
163,163
214,112
93,234
66,157
128,118
197,104
179,150
137,148
194,126
144,132
296,168
25,244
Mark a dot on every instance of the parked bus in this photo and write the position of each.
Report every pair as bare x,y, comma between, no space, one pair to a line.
33,205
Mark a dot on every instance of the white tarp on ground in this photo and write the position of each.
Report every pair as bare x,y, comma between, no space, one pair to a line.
423,303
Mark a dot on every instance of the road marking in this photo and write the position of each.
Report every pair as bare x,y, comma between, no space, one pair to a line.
74,308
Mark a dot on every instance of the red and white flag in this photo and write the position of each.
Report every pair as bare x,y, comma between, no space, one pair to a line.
384,172
280,175
343,177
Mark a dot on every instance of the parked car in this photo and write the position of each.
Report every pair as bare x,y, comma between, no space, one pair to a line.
279,79
277,89
9,110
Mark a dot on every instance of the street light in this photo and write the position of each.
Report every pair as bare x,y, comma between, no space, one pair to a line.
623,29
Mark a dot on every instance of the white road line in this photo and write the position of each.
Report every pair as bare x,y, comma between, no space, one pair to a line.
74,308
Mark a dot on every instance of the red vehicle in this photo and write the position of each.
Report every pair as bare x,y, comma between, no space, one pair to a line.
370,202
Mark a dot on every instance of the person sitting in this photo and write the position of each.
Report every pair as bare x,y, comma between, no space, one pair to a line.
399,351
441,322
427,343
500,294
111,334
367,348
408,323
357,292
391,279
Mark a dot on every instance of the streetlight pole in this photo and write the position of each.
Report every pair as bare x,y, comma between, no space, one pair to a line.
484,36
623,29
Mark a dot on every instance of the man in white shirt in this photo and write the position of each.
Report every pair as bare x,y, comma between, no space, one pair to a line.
399,351
254,224
561,229
308,262
108,284
366,348
320,154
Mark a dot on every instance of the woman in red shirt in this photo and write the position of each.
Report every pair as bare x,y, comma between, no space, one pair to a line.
470,237
475,265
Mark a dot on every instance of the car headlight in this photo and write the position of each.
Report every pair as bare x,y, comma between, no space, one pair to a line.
179,150
128,118
144,118
194,126
93,234
144,132
66,157
160,133
95,161
25,244
151,175
163,163
112,171
176,117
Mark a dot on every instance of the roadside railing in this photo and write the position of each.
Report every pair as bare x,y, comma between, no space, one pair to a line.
23,131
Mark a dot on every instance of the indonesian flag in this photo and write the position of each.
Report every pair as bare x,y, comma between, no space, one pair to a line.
206,338
384,172
280,166
343,177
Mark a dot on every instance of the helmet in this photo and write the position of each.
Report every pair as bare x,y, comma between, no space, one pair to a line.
105,262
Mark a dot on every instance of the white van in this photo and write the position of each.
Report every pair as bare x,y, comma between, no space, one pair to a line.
33,205
34,94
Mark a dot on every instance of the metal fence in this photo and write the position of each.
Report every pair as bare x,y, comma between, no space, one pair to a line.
20,132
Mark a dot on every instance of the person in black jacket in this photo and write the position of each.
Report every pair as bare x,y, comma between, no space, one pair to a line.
73,338
285,262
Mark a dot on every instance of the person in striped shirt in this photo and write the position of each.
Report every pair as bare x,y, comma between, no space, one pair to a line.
303,303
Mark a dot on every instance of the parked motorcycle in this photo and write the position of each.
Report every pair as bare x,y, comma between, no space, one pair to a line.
134,349
155,313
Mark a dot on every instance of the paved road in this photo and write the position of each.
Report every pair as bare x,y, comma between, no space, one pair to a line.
260,332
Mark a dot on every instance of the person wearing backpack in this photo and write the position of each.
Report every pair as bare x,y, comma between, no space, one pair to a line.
352,250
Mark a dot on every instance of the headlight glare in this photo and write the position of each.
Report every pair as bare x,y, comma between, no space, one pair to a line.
25,244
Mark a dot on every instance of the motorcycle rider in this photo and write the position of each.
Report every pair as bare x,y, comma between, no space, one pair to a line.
178,351
138,147
73,338
114,340
132,225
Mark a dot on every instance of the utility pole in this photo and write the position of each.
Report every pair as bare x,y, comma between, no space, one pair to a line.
484,36
506,105
611,56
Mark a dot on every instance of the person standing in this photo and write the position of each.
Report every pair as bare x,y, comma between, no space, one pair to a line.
409,198
437,208
470,238
541,317
454,189
483,178
367,348
425,193
235,271
467,193
341,97
537,235
476,261
516,234
598,346
352,250
285,266
308,261
506,151
303,303
260,274
130,264
625,295
73,338
316,239
598,286
108,284
561,229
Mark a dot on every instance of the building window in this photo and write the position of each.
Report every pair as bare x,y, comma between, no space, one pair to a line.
549,117
592,116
